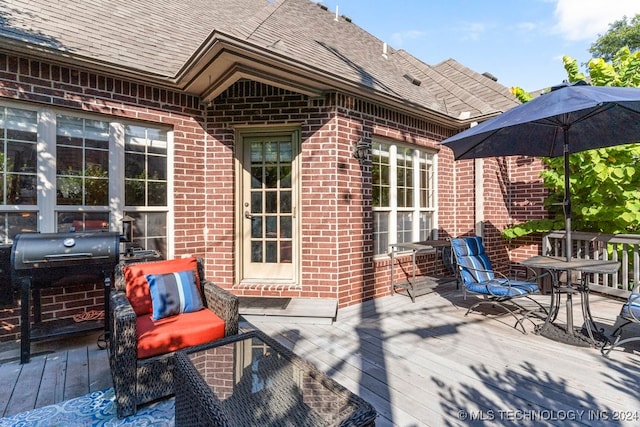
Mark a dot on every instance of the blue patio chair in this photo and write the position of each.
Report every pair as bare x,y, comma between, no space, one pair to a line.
629,314
478,277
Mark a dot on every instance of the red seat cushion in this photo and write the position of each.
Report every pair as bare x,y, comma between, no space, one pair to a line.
175,332
137,287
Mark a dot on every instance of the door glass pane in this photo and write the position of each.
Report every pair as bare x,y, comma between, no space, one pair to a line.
285,202
271,152
271,177
256,227
272,227
286,251
256,202
285,177
271,255
285,227
256,251
271,202
285,152
256,177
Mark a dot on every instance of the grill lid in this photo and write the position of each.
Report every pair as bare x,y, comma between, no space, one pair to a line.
47,250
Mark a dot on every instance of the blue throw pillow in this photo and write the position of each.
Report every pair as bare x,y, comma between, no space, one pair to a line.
173,293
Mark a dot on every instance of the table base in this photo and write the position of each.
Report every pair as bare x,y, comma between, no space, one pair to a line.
579,337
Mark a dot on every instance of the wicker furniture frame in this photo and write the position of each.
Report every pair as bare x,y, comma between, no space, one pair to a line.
250,379
138,381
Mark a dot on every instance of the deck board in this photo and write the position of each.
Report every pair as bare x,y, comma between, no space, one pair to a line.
52,384
77,379
26,389
99,371
417,363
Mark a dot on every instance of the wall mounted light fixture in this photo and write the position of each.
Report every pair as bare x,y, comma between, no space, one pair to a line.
360,150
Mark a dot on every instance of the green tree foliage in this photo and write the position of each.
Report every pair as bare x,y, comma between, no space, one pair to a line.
605,183
622,33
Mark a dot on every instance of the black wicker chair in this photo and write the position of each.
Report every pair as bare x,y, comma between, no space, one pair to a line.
138,381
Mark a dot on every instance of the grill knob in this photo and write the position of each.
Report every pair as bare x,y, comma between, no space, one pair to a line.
69,243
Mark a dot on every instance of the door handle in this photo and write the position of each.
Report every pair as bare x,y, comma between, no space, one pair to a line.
248,215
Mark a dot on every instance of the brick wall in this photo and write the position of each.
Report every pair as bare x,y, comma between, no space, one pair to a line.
335,203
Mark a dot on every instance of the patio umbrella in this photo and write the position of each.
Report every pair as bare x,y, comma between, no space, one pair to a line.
568,119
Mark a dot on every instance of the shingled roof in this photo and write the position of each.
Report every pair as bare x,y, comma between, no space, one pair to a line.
200,46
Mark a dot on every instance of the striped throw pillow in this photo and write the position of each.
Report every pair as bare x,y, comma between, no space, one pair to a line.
173,293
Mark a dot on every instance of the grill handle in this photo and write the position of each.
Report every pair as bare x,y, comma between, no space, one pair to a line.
66,257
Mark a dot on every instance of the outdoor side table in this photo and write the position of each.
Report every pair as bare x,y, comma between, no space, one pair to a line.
414,281
250,379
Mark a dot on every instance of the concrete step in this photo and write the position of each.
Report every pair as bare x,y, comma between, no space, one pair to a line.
292,310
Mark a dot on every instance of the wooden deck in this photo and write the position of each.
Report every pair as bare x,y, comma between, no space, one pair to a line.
59,370
421,363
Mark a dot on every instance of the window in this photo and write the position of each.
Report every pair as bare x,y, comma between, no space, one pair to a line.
93,171
18,165
145,166
145,178
404,196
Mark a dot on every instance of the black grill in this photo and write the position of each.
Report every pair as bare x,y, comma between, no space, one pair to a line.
59,260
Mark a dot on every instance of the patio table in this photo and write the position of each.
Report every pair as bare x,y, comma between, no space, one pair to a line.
251,379
556,265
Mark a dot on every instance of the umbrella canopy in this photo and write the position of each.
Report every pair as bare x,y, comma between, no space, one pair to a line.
568,119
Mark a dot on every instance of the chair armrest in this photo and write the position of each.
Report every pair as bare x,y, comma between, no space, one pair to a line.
123,352
224,304
499,278
522,272
123,322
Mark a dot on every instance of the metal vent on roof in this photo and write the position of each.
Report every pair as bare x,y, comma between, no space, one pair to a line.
490,76
323,6
412,79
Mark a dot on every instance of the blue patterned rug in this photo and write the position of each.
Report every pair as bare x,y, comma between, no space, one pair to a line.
94,409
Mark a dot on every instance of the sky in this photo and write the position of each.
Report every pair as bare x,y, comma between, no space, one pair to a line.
521,42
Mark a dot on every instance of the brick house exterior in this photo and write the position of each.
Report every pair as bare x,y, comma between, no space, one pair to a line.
265,94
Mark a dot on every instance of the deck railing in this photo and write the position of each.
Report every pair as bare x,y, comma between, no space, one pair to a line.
618,247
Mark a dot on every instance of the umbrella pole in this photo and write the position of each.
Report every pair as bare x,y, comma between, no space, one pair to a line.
567,196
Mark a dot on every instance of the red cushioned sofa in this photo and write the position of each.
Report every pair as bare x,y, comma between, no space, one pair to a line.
154,311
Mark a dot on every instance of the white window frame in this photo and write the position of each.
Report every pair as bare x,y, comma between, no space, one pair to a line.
420,155
46,172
